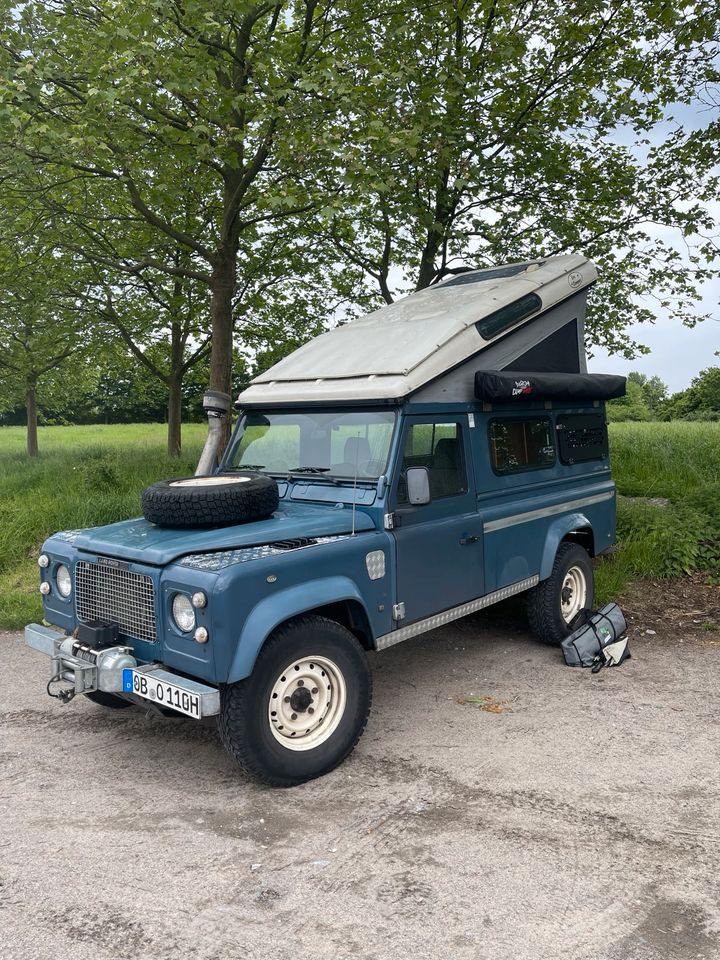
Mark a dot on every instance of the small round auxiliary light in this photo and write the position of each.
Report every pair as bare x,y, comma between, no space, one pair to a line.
44,588
43,560
201,635
199,600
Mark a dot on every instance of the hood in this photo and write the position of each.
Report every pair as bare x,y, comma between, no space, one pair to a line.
145,542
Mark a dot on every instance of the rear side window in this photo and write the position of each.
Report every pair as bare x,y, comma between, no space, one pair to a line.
521,444
582,437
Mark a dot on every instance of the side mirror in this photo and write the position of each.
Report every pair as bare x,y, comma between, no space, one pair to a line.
418,485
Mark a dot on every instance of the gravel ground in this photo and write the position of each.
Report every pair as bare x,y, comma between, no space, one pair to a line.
499,807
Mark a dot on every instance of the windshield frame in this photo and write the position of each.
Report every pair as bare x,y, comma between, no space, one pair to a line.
306,475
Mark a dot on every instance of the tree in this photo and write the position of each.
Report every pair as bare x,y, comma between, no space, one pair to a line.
654,391
44,334
632,406
152,99
700,401
483,132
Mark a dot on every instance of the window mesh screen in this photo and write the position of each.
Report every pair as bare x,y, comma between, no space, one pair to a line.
582,437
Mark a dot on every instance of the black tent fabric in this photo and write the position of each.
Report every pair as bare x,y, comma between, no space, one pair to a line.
501,386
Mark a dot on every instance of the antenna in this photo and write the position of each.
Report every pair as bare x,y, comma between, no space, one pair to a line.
357,455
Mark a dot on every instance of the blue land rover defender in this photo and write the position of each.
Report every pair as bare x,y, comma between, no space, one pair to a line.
396,473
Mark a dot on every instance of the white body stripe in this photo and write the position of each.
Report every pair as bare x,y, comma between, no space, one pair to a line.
545,512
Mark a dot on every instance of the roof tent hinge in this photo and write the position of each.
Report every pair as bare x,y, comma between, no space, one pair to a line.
398,611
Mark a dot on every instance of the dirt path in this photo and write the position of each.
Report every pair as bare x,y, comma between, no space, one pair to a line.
500,807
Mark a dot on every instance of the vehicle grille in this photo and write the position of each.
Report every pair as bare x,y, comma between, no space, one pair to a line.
116,595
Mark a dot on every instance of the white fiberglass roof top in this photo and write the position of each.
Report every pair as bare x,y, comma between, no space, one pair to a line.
393,351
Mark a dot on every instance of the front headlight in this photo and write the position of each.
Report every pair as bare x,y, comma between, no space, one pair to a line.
183,613
63,581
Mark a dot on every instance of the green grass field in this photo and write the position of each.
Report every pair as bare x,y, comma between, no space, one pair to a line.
92,475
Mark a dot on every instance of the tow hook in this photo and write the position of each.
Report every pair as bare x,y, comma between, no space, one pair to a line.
65,695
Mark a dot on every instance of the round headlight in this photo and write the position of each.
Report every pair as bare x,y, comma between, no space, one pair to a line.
43,560
63,581
183,613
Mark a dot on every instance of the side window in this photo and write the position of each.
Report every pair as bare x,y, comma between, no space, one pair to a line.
439,447
521,444
582,437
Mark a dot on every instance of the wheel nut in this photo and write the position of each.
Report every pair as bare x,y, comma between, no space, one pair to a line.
286,699
311,709
293,716
301,683
314,689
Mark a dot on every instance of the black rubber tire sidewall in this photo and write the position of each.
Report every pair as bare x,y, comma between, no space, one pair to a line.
219,505
544,601
244,724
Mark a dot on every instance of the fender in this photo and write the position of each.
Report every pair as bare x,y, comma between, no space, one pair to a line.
558,529
271,611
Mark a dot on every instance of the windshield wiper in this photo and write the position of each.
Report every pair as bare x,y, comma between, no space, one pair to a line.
317,473
245,466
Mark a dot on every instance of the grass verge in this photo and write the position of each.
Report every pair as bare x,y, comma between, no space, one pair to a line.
676,462
84,476
87,476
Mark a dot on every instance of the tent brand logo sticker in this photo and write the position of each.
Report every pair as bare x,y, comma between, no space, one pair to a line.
522,388
575,279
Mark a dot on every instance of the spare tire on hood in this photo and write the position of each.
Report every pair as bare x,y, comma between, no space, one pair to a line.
211,501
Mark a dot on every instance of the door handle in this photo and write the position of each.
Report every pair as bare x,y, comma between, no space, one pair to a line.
466,540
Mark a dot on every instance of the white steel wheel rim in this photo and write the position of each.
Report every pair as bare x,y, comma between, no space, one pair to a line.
307,703
573,593
208,481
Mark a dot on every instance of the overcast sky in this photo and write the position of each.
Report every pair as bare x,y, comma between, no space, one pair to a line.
678,353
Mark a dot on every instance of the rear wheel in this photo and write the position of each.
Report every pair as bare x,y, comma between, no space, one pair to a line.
304,707
554,604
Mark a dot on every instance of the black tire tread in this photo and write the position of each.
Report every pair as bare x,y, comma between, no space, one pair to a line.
231,724
541,599
109,700
216,506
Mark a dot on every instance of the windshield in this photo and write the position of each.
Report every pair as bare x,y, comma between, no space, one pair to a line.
337,444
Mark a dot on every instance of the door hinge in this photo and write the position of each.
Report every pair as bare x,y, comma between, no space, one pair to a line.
391,521
398,611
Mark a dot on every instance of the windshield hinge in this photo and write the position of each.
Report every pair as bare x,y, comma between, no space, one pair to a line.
391,520
398,611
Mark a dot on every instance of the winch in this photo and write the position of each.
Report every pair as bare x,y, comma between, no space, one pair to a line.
88,666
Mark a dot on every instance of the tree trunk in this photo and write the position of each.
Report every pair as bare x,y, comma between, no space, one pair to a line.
31,410
175,381
221,357
174,416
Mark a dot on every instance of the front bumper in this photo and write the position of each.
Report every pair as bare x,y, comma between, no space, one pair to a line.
86,670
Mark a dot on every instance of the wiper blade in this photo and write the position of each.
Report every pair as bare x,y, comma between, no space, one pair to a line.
245,466
314,473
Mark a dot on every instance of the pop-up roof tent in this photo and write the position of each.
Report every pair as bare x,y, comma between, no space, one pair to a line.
429,346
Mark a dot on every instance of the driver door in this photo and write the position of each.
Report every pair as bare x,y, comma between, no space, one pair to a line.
439,547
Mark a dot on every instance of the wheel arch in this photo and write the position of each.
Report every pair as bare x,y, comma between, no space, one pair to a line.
336,598
573,528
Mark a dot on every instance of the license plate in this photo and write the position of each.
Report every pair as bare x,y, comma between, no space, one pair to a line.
161,692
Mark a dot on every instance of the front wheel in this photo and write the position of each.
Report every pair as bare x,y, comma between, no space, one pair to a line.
303,708
554,603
